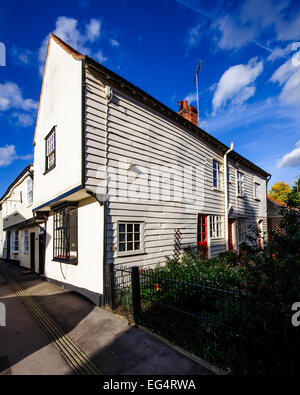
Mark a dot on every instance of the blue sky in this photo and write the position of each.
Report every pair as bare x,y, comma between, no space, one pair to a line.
249,85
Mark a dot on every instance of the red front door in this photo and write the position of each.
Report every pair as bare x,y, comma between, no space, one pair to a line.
202,235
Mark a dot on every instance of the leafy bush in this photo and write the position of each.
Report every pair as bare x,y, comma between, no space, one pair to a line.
210,272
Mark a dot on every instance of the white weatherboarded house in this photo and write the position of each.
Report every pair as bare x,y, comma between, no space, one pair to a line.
116,172
22,238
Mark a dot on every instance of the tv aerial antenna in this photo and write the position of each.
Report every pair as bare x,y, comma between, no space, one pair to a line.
196,79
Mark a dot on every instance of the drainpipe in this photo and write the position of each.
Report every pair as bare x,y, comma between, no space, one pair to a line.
109,96
226,196
267,213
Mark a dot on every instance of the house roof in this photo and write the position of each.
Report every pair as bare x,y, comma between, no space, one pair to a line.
277,202
27,169
139,94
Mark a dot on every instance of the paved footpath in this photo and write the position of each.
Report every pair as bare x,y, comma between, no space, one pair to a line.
111,345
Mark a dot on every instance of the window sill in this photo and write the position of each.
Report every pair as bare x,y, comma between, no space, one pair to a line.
216,238
127,254
257,199
47,171
217,189
66,261
241,196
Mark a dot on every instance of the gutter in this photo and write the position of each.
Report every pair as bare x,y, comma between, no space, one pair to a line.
226,196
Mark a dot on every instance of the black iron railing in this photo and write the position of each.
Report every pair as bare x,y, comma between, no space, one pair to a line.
228,327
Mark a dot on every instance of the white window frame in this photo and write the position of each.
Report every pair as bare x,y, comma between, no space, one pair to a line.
15,242
240,182
50,148
29,191
216,227
26,241
242,230
256,192
141,240
219,171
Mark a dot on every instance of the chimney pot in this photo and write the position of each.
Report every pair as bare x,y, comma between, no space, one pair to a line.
188,112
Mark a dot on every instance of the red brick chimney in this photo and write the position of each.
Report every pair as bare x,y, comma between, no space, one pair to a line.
188,112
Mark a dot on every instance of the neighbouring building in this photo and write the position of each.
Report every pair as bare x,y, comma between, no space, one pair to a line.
21,235
1,235
116,172
274,213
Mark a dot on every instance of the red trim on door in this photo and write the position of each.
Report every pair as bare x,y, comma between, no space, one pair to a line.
202,235
230,235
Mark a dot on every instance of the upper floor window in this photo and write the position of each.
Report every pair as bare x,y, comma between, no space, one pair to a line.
130,238
65,234
256,190
50,150
217,178
216,227
29,191
240,183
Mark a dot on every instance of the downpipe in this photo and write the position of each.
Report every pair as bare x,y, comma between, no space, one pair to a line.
226,195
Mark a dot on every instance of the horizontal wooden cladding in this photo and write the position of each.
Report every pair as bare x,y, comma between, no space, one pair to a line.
137,135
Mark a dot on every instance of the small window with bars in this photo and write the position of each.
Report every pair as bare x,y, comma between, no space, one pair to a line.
130,238
50,150
65,241
216,227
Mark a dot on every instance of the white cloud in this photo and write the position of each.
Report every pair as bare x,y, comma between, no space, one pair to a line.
93,30
279,52
23,119
235,85
193,37
22,56
7,155
78,37
232,35
114,43
291,159
252,19
288,76
100,57
11,97
191,97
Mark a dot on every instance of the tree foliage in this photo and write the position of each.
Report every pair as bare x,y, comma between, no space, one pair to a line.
280,191
293,199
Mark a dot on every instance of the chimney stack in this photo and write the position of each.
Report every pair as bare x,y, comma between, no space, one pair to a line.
188,112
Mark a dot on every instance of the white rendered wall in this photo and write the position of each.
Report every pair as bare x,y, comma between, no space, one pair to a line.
88,273
60,105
